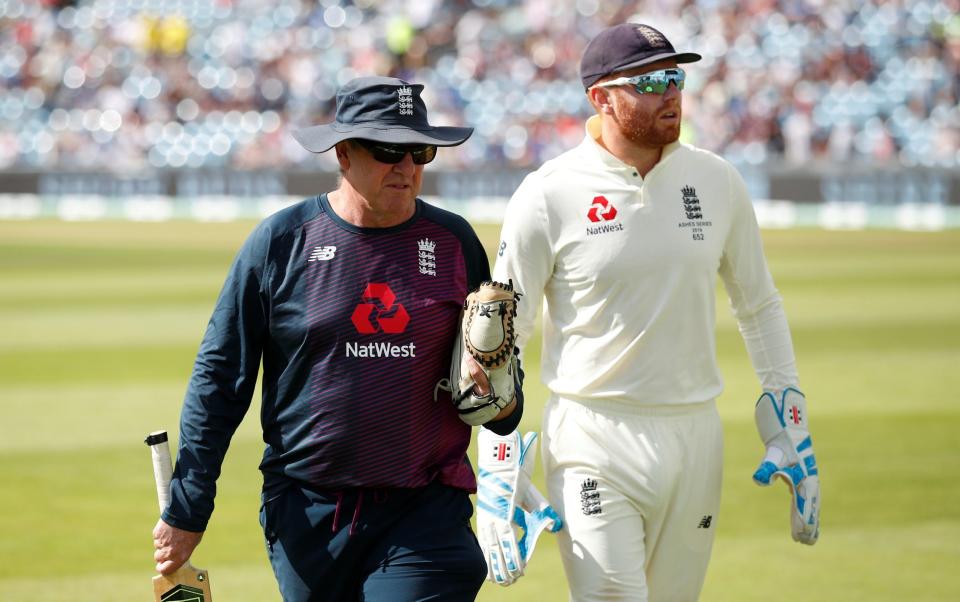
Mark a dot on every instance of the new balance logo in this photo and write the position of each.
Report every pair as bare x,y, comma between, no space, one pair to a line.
323,253
705,522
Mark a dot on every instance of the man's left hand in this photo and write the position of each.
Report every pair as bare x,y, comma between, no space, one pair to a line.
781,418
173,546
486,344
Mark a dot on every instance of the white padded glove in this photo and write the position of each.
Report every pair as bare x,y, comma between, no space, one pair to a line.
508,502
782,423
486,336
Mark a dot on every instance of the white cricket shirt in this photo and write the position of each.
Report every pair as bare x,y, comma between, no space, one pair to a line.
627,268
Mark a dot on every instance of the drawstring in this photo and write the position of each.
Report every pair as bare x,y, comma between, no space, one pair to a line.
379,496
356,513
336,513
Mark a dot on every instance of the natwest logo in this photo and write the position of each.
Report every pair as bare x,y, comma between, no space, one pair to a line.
601,210
379,311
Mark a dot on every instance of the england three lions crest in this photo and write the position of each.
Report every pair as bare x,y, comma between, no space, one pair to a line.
691,204
405,100
426,259
693,211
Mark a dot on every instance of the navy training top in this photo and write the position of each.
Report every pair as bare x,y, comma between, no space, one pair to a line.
355,328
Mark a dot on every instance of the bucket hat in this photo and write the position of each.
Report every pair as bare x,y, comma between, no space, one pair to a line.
382,109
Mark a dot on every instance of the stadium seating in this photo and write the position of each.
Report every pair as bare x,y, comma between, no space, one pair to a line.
134,84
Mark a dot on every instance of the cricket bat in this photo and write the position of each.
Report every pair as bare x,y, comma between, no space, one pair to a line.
188,584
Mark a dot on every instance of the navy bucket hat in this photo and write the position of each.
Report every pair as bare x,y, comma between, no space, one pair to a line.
626,46
383,109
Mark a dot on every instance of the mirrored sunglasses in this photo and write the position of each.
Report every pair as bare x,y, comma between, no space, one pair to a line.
394,153
655,82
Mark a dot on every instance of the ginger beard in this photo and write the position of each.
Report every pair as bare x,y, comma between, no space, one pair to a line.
648,120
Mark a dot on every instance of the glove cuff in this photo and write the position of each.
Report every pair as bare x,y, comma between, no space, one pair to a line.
498,453
781,411
783,428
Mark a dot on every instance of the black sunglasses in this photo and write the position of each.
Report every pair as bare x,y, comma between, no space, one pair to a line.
394,153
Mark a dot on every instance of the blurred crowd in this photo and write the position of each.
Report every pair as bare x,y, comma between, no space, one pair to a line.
139,84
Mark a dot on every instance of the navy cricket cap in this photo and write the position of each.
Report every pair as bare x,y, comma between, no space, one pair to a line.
382,109
626,46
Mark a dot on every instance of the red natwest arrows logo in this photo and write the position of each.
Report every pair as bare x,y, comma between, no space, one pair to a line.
601,210
379,312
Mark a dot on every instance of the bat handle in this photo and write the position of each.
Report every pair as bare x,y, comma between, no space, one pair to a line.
162,466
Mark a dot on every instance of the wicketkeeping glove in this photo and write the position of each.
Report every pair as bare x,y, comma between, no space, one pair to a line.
486,335
508,502
782,423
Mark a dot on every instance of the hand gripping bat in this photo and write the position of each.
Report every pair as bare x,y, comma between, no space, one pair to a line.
188,583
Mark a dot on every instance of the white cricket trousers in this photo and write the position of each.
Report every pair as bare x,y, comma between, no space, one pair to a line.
638,488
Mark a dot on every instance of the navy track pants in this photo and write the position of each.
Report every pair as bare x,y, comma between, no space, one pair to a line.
397,545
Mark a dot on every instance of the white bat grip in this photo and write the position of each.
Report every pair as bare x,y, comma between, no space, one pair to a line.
162,466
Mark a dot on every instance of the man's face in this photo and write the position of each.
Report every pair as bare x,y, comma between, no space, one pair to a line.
648,120
384,185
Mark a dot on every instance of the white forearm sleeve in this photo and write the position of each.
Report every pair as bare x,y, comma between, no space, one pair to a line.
756,303
767,337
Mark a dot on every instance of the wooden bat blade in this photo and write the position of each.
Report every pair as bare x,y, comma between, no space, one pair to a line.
188,584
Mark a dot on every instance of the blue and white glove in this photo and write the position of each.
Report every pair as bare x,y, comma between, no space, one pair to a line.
782,422
507,502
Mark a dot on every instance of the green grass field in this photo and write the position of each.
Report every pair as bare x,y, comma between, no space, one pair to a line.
99,324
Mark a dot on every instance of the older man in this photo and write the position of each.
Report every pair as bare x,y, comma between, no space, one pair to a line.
351,300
